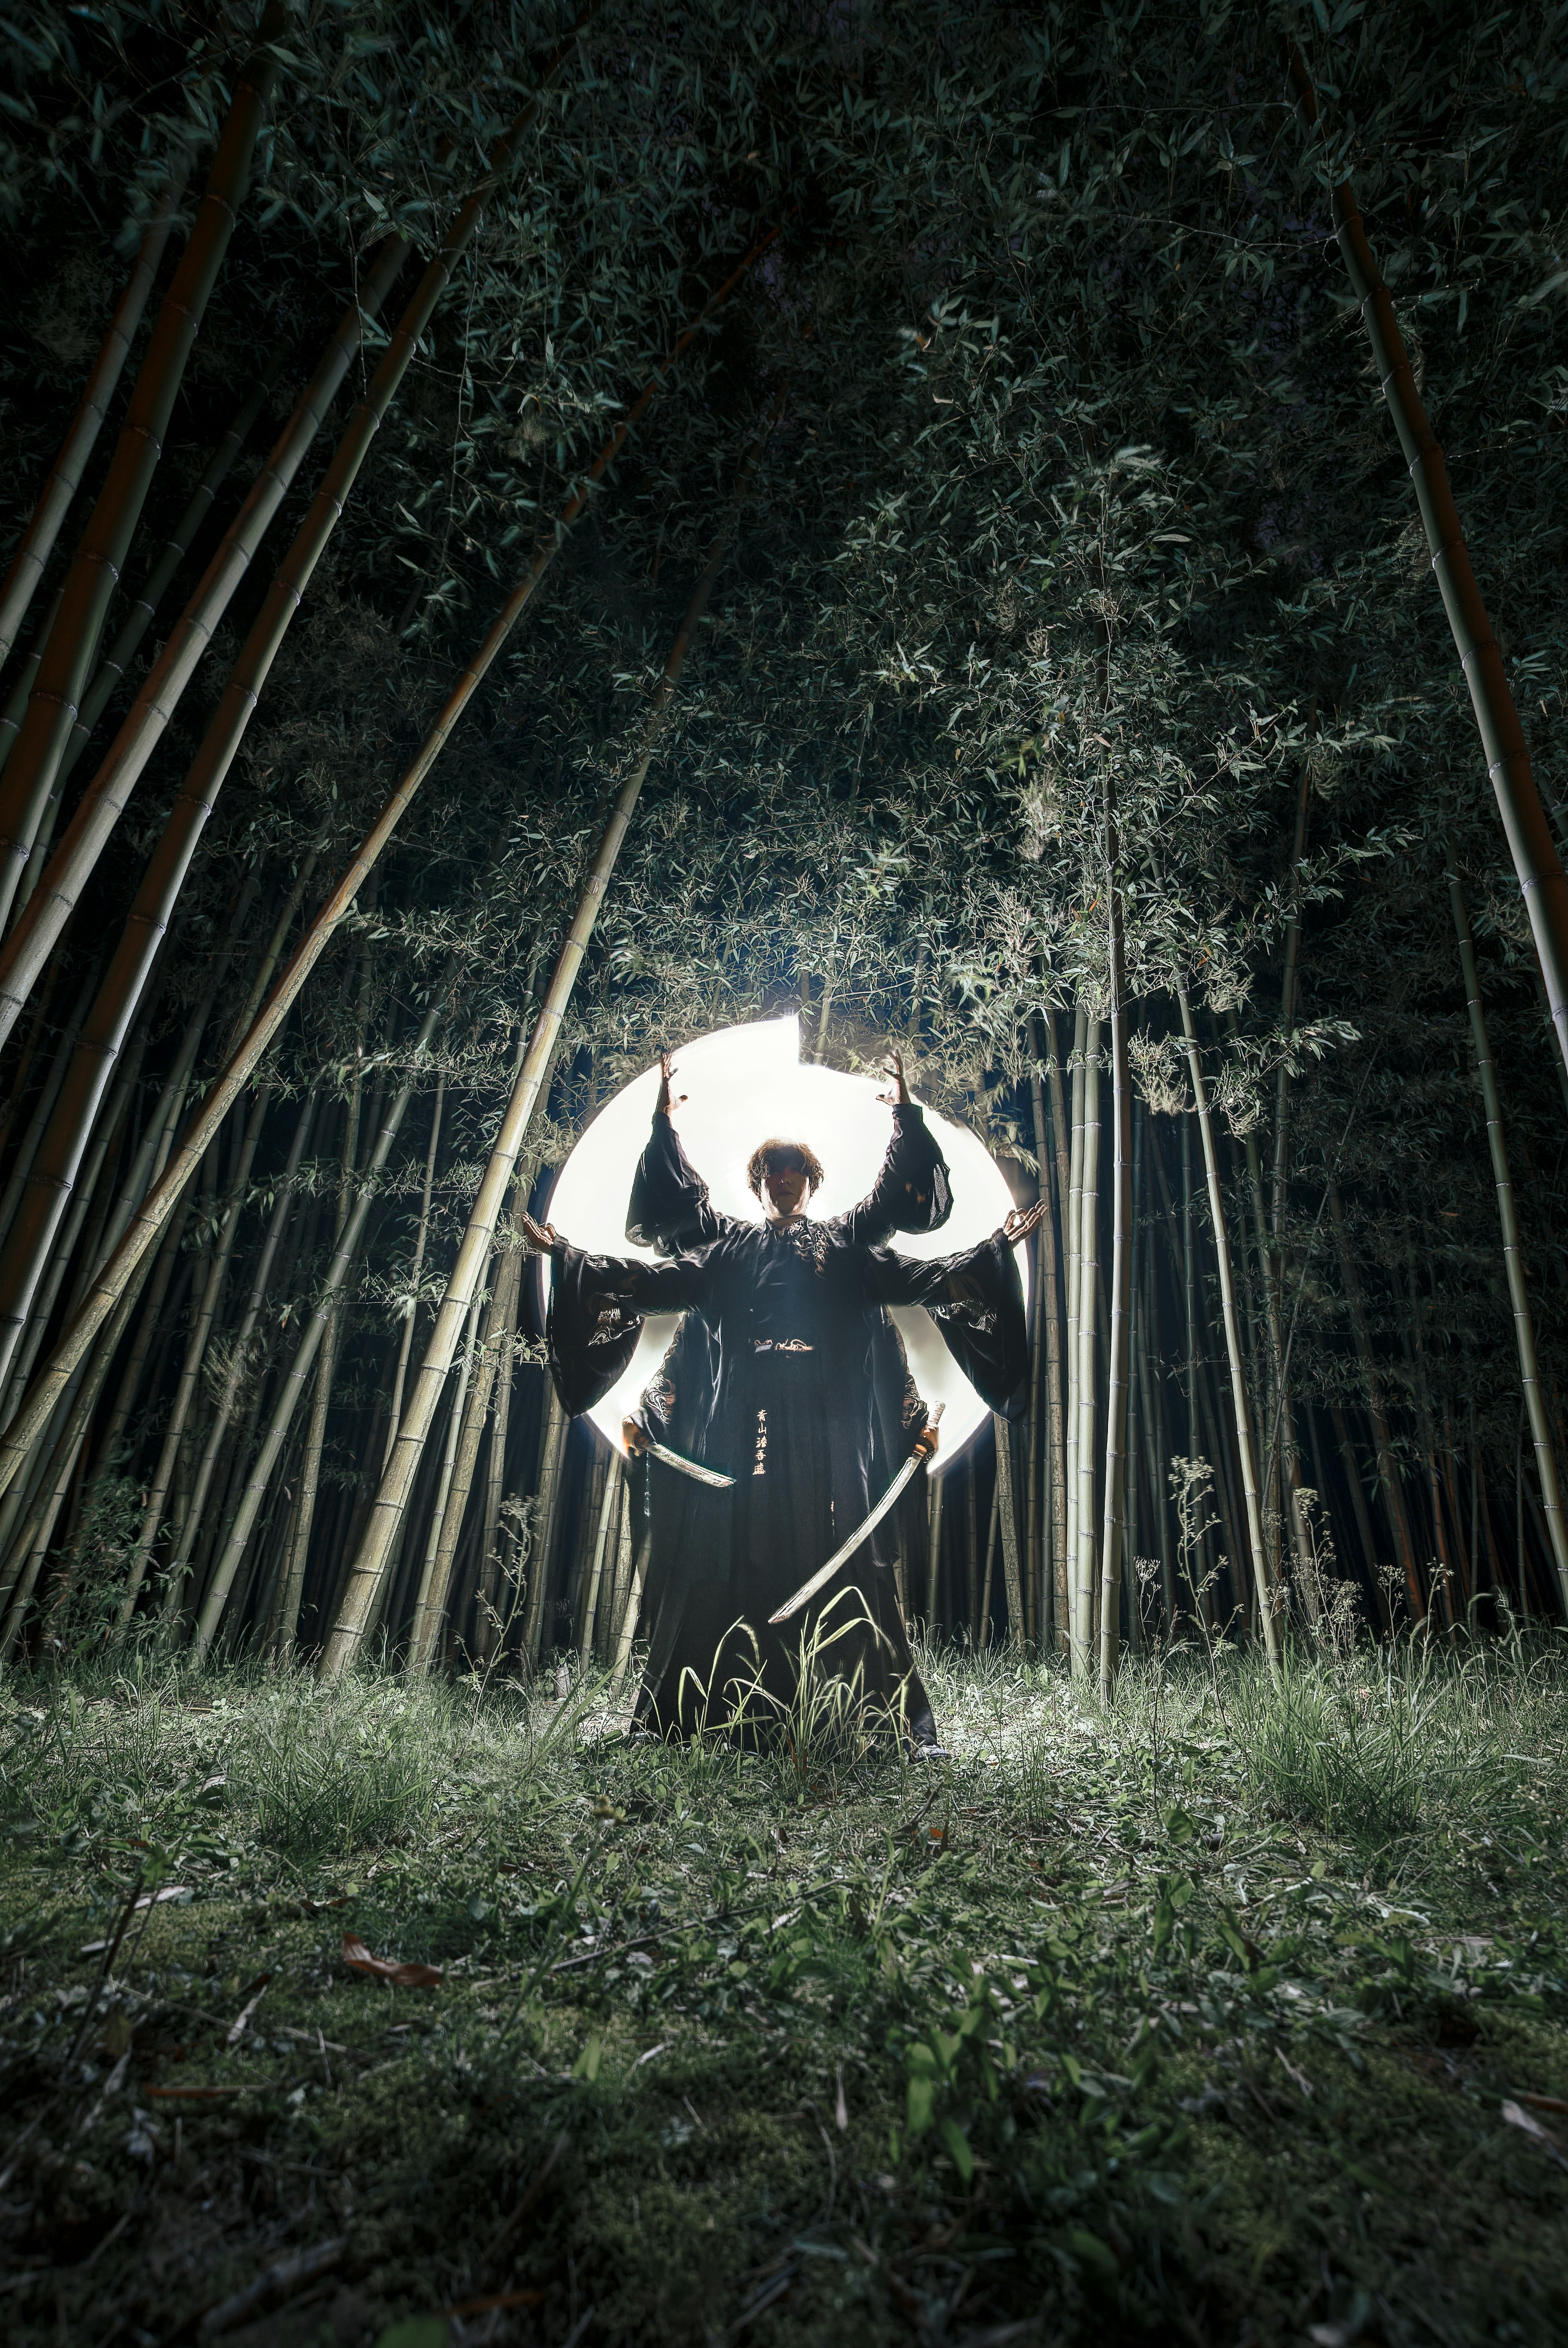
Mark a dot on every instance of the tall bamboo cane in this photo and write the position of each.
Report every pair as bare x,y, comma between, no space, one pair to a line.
1072,1240
494,1339
21,1432
1239,1411
1118,1334
112,669
1507,1220
1060,1132
395,1410
65,475
431,1601
1083,1564
1012,1579
96,568
1388,1467
299,1371
227,728
27,950
190,1369
359,1596
1530,840
185,1538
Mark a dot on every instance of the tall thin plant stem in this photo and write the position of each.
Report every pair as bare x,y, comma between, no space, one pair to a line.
1507,754
100,560
474,1253
1507,1222
66,474
16,1440
1118,1334
1267,1606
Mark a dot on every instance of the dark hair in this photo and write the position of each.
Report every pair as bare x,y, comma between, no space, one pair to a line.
784,1153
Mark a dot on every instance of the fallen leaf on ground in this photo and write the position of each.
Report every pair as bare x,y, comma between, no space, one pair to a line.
386,1969
1532,2128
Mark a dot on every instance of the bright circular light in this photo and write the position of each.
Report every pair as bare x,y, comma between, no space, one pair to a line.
744,1084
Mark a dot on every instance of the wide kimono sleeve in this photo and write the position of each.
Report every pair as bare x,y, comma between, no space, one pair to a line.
670,1207
911,1193
975,1299
597,1305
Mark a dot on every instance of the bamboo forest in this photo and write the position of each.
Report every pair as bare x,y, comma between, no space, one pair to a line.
586,582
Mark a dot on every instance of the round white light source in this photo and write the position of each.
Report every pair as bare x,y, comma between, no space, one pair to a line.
742,1084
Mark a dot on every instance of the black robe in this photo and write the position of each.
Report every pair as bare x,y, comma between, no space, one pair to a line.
787,1373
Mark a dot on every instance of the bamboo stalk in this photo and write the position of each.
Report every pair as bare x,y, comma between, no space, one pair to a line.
394,1412
595,1575
1121,1324
100,560
17,701
298,1375
65,476
1084,1562
553,1443
228,724
116,662
431,1601
189,1525
984,1633
19,1433
44,1109
495,1341
191,1369
297,1550
1507,753
1387,1470
1508,1224
118,1000
1265,1596
52,1179
478,1238
628,1634
496,1478
58,892
1072,1240
1047,1307
1033,1580
1011,1581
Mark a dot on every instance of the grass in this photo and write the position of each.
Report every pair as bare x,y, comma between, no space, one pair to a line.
1196,2020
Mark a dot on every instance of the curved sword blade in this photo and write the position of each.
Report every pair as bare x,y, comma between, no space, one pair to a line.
690,1467
826,1572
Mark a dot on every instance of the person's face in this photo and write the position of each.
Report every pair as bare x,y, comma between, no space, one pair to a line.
785,1188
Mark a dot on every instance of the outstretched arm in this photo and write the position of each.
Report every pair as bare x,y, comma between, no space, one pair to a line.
975,1299
911,1192
669,1207
596,1308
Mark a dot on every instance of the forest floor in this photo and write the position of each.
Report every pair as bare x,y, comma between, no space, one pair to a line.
1230,2014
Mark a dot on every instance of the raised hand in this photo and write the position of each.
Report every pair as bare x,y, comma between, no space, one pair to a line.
898,1097
542,1237
667,1101
1023,1222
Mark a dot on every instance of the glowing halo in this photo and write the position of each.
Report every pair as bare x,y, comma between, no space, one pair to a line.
744,1084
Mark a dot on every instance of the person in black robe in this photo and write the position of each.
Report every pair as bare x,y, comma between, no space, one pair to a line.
788,1374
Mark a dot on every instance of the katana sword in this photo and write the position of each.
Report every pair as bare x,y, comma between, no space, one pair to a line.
826,1572
692,1468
